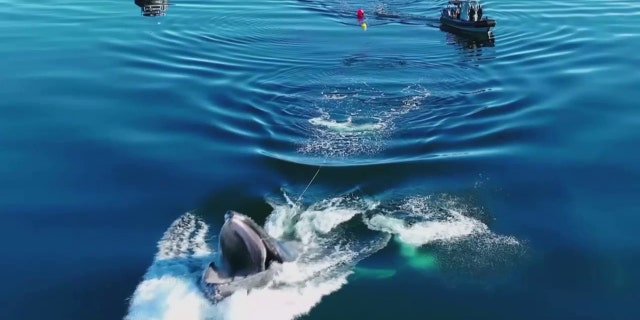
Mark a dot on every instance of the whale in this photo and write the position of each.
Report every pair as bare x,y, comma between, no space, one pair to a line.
248,258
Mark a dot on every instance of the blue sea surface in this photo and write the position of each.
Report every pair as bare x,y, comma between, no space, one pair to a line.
428,174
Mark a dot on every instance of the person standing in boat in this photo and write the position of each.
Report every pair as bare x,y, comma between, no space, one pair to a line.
472,14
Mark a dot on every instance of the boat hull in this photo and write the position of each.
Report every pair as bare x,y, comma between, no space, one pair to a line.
482,26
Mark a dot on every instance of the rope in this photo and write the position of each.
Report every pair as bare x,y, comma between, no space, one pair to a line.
314,177
305,189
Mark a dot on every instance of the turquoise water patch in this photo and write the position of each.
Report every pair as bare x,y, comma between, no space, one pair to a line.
417,258
372,273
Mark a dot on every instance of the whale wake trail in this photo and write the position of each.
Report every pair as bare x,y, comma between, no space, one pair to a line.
335,234
169,289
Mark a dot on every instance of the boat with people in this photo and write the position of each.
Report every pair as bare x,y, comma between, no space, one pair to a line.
152,8
466,15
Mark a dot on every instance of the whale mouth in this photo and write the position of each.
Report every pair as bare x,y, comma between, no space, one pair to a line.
212,281
215,276
248,258
217,285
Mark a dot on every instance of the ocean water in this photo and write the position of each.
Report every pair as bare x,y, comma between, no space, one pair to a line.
428,174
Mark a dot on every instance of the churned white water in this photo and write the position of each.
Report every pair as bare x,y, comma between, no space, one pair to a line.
330,250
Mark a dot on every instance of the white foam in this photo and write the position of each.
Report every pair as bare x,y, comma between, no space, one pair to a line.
167,298
199,244
346,126
170,288
329,252
283,303
176,240
334,96
379,110
444,220
428,231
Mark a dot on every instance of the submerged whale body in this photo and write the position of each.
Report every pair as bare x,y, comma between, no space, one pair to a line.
248,258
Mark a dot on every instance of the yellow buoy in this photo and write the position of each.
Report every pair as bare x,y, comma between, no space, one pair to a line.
364,26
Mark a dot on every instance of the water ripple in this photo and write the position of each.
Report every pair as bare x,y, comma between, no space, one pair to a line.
300,95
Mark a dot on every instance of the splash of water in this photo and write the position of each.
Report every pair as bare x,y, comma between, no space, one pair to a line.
170,289
346,126
376,111
442,232
333,242
421,220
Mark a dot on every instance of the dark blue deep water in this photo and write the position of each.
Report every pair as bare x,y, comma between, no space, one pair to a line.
459,178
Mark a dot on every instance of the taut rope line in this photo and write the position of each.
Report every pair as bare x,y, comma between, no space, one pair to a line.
314,177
